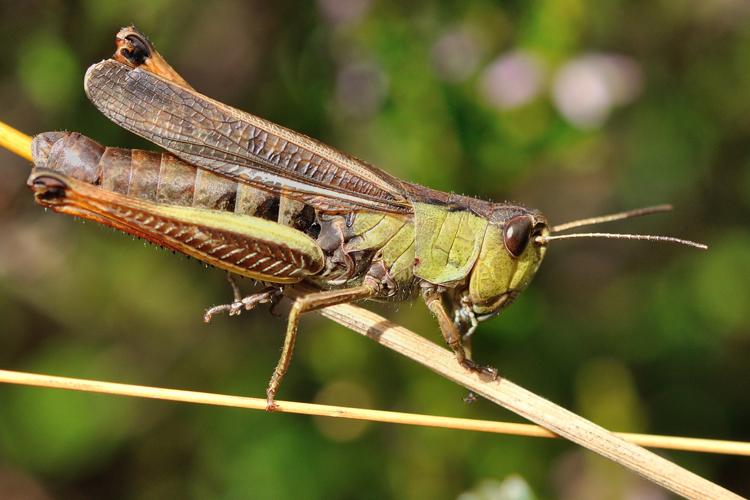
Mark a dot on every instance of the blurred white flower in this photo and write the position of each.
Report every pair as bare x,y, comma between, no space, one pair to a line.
513,487
343,11
586,88
455,55
512,80
361,87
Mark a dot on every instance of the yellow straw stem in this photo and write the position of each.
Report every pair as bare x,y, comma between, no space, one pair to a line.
466,424
15,141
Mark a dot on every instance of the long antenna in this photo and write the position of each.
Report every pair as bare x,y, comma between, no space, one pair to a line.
618,236
638,212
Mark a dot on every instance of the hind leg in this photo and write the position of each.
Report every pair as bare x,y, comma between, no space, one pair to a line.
307,303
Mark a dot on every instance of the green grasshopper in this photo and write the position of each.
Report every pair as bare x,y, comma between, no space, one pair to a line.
264,202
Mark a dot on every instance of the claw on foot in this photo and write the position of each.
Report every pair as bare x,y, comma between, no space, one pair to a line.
470,398
271,405
247,303
233,309
486,373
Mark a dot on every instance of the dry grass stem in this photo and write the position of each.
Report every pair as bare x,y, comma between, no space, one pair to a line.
465,424
15,141
527,404
550,416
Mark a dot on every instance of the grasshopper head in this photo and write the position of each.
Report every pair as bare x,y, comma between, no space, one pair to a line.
511,253
515,243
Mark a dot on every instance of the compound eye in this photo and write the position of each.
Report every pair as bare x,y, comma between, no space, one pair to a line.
516,234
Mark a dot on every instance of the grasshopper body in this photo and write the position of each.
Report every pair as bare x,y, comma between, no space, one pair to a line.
439,243
265,202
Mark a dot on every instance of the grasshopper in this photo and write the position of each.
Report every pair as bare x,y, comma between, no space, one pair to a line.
264,202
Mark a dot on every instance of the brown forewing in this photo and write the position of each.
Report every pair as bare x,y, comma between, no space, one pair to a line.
217,137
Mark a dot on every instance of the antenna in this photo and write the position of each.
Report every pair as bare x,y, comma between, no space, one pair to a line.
638,212
629,214
542,240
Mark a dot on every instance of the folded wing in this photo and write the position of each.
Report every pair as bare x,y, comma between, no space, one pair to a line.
230,142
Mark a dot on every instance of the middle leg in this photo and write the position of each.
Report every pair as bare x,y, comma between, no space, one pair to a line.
269,295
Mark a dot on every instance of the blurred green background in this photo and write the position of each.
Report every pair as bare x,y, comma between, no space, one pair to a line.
575,107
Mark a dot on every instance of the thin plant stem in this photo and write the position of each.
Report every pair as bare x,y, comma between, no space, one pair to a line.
465,424
15,141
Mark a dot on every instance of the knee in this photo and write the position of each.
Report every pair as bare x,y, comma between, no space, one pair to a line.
298,307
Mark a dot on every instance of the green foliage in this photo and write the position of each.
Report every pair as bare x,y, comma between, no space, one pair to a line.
48,72
66,433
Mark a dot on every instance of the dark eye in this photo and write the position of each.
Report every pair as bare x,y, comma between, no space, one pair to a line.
516,234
